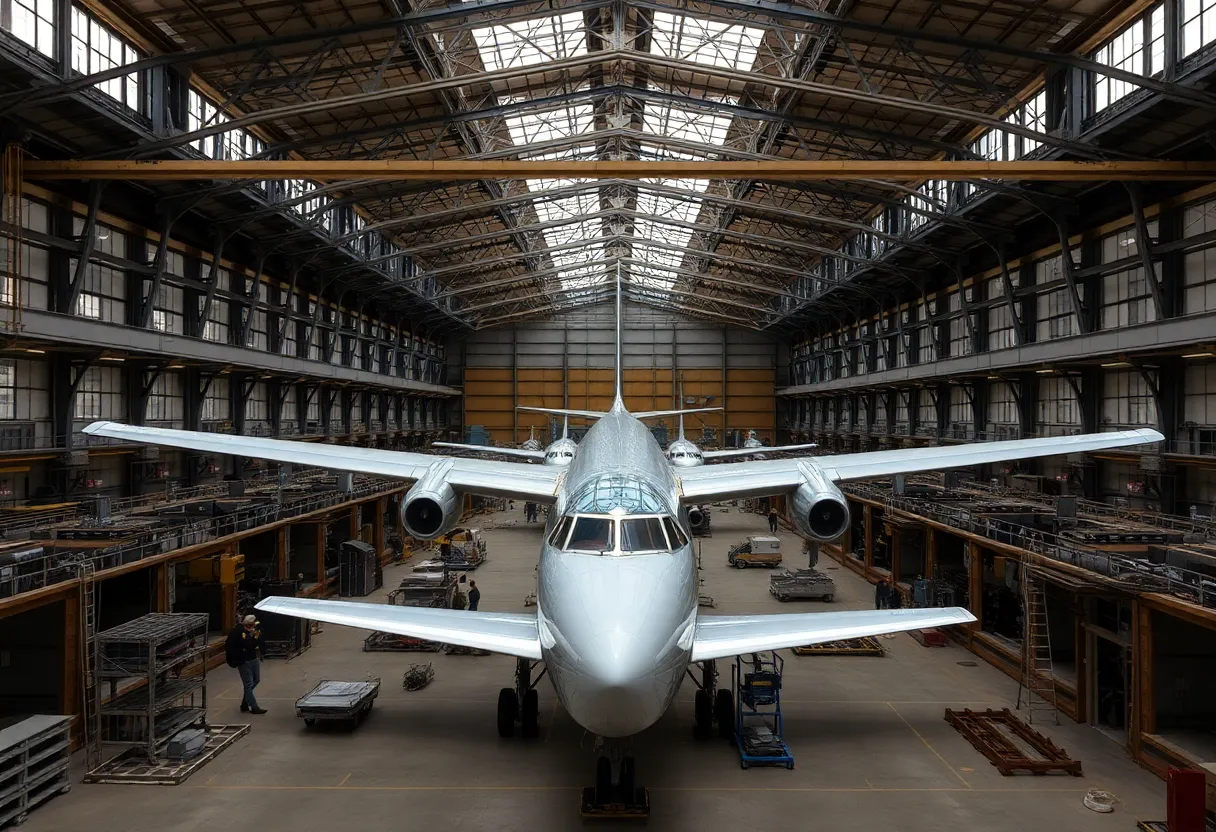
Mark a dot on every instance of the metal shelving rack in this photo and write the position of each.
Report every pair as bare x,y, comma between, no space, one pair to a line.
156,647
33,764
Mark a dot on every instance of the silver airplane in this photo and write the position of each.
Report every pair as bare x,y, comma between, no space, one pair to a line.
560,452
616,622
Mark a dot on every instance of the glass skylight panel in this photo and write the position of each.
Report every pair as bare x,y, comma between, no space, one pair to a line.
705,41
530,42
546,126
665,119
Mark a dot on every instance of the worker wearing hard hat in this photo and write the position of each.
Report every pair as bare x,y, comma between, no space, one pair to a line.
244,652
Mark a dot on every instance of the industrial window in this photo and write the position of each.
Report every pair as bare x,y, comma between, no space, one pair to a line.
1199,266
960,337
926,411
1053,307
1198,25
962,418
705,41
1200,406
1127,51
1002,407
96,48
530,42
215,402
1059,413
1001,333
257,410
1126,296
31,21
1127,400
99,394
166,403
259,337
313,411
103,289
8,389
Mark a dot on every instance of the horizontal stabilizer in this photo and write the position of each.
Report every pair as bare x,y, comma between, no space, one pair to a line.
512,634
654,414
557,411
492,449
720,636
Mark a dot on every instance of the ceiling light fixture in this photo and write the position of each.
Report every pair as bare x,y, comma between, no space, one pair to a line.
1046,372
1118,364
33,351
1200,355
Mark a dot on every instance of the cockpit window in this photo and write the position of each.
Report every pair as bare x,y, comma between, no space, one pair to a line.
592,534
644,534
674,533
606,492
560,531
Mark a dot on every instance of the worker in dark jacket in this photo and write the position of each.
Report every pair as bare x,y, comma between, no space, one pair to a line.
474,596
772,520
882,594
244,652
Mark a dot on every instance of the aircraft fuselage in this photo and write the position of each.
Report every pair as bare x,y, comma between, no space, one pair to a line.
617,629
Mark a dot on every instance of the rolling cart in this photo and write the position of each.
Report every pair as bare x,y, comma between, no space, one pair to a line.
758,724
332,701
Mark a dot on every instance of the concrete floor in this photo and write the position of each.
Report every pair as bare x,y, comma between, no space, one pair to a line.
873,751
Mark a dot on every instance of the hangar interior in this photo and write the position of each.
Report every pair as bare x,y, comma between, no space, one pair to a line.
270,292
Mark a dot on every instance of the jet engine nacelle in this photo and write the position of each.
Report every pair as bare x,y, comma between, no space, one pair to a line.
431,507
818,507
696,517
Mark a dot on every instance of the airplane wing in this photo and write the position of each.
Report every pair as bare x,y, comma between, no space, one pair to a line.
489,478
777,449
653,414
720,636
499,632
492,449
774,476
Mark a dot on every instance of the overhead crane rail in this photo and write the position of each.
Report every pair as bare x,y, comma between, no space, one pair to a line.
772,170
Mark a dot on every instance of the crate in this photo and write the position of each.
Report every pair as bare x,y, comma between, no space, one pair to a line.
34,756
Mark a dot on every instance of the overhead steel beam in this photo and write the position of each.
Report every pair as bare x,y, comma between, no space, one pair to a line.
776,170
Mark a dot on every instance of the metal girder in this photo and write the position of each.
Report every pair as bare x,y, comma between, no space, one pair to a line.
15,102
777,170
619,56
790,11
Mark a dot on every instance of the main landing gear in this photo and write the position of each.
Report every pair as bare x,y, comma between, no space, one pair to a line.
616,793
711,704
520,705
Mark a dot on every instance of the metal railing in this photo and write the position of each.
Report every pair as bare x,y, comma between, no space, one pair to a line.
25,574
1135,574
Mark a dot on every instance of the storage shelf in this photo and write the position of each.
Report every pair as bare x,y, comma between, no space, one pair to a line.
120,668
167,724
135,703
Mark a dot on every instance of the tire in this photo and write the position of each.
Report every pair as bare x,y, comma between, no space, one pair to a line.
743,764
703,715
531,714
627,789
828,598
308,723
739,564
603,781
724,712
508,707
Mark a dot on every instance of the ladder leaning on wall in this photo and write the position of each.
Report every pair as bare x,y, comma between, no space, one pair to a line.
1037,687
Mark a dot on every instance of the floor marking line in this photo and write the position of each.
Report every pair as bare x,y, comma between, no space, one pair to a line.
344,780
791,789
954,771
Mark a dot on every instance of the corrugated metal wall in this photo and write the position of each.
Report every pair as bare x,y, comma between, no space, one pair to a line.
570,360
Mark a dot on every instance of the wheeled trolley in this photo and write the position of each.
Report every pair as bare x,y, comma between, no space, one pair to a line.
334,701
756,679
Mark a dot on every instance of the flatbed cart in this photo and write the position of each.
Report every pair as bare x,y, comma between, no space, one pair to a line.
335,701
758,723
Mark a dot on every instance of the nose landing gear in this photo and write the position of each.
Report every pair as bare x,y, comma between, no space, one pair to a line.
711,704
616,793
521,704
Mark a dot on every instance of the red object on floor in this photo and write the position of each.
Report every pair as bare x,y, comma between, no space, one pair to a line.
1184,800
929,637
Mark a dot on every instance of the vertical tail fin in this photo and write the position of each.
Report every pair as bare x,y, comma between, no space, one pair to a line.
680,406
565,427
619,400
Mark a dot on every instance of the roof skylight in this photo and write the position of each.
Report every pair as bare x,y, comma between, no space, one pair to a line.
705,41
530,42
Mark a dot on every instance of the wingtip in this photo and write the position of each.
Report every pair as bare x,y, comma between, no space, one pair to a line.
96,427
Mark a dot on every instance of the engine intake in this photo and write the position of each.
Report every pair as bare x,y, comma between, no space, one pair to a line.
819,508
696,518
431,507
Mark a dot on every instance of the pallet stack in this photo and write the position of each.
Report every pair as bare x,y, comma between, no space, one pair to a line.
34,757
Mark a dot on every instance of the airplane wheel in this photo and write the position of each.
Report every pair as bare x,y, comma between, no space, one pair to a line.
724,712
531,714
508,707
703,714
628,780
603,781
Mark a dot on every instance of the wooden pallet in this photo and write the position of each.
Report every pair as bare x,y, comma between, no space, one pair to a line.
639,811
132,766
865,646
984,731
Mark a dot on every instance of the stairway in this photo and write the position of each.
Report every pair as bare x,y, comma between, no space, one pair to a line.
1037,688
